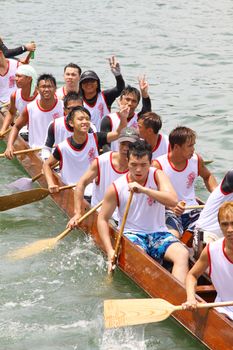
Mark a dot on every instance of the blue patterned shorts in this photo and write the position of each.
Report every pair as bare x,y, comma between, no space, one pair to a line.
182,223
155,244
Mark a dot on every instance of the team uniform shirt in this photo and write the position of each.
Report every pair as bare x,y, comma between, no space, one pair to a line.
208,219
145,214
39,120
20,102
221,274
97,111
106,175
7,81
60,93
61,130
184,180
115,122
75,162
161,147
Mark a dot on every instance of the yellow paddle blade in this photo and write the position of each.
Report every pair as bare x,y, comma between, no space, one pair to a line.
128,312
32,249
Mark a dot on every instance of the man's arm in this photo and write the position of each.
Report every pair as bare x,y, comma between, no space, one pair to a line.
47,170
19,123
146,102
107,209
191,281
209,179
9,53
9,116
85,180
113,135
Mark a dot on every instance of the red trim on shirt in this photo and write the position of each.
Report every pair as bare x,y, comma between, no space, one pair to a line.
97,181
179,171
117,171
110,120
75,149
117,196
25,111
128,119
198,164
96,139
127,178
156,160
155,177
60,160
224,253
158,143
46,110
30,98
209,259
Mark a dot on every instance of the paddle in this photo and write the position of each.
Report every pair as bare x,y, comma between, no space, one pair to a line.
5,132
206,162
23,151
21,198
128,312
49,243
197,206
118,241
25,183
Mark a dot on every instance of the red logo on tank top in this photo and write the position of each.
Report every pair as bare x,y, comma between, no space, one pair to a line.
56,115
91,154
101,109
150,201
11,81
190,178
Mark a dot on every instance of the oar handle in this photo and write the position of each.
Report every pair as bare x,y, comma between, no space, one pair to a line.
118,241
205,305
66,231
23,151
6,132
198,206
67,187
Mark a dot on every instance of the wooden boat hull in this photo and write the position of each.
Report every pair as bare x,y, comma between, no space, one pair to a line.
211,328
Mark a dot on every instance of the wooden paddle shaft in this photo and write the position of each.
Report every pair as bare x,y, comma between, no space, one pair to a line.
117,245
205,305
6,132
198,206
23,151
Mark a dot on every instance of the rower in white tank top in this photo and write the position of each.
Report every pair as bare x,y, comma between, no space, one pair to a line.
98,111
7,81
20,102
39,120
74,163
60,92
183,181
107,174
115,121
162,146
221,274
145,214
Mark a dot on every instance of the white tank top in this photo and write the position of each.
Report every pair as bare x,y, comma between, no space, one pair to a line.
208,219
74,163
183,181
20,102
115,121
60,93
39,120
98,111
7,81
221,274
61,131
161,147
107,174
145,214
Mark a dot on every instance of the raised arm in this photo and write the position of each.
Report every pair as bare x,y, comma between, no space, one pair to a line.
146,102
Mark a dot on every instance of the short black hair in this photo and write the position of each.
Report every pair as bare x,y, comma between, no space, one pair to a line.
78,109
131,90
72,96
180,135
46,76
140,149
151,120
73,65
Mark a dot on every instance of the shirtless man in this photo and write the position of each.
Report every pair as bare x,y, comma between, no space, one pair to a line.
72,74
38,114
77,152
149,125
96,101
26,92
105,169
218,257
145,224
182,165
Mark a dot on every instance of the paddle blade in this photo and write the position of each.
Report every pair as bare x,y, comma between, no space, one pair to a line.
33,249
21,198
128,312
23,184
